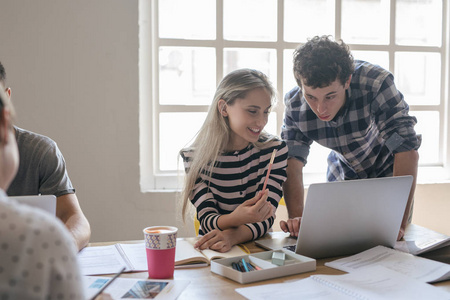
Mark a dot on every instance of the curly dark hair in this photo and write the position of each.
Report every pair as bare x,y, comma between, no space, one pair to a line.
321,61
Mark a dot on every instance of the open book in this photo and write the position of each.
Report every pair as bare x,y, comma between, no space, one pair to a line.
109,259
376,282
418,240
186,255
420,268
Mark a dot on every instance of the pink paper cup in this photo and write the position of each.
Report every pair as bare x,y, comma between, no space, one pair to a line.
160,242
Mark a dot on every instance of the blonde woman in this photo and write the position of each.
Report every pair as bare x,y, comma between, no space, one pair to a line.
227,163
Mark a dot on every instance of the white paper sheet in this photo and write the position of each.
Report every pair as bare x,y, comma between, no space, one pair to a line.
135,288
423,269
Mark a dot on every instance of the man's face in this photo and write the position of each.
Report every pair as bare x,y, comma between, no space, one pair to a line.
327,101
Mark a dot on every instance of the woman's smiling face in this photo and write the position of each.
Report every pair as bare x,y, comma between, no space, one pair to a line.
246,117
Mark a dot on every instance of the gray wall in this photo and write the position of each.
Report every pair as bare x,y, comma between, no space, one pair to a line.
73,69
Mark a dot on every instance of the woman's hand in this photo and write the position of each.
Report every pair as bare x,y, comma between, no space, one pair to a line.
217,240
257,209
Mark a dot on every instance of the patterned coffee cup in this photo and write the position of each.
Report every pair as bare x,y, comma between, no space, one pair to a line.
160,237
160,242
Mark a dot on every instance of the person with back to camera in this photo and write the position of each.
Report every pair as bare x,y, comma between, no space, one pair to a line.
353,108
42,170
227,163
37,256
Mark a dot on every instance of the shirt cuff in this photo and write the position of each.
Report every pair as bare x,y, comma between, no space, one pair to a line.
298,151
394,141
397,143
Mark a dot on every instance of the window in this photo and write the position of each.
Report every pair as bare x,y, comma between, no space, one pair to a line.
186,47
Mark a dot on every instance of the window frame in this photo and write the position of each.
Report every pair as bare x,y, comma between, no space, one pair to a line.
153,179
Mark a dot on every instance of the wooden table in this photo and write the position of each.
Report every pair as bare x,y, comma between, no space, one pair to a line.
207,285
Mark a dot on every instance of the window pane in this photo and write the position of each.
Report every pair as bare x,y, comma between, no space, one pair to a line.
428,126
418,22
187,76
169,127
263,60
271,126
288,74
193,19
365,21
317,160
250,20
380,58
170,147
420,82
304,19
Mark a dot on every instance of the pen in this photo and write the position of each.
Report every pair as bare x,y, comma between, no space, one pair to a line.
255,267
241,266
270,167
243,247
245,266
235,266
249,266
108,283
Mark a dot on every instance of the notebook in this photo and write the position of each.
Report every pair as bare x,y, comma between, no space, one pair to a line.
45,202
347,217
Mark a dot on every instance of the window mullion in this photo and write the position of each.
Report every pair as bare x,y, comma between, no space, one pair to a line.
338,19
280,63
445,132
155,91
219,40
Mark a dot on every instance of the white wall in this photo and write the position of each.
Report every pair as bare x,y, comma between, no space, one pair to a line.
73,68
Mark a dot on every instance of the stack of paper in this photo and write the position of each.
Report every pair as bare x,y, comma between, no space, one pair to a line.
377,273
376,283
418,240
420,268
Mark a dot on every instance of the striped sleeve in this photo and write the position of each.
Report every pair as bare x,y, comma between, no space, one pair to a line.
276,179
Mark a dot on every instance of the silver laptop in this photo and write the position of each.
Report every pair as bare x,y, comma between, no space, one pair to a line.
347,217
45,202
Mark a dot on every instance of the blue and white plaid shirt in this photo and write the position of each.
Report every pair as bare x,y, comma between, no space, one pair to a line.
369,129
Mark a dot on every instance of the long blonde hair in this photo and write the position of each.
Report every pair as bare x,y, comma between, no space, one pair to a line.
214,135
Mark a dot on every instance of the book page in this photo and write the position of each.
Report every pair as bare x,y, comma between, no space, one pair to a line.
377,282
101,260
186,253
136,255
418,239
234,251
423,269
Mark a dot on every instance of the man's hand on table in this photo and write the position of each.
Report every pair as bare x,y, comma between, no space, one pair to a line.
291,225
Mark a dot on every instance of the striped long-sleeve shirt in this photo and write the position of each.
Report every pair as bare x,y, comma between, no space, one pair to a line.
237,177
